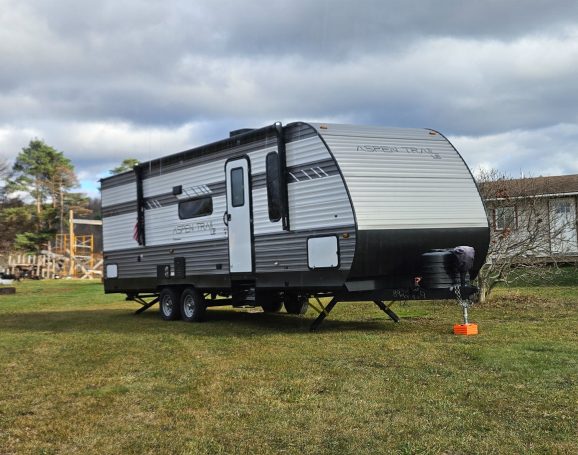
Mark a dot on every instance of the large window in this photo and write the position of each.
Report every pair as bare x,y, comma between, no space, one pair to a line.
505,218
194,208
273,186
237,187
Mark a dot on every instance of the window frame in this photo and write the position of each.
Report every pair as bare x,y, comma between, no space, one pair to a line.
195,199
514,225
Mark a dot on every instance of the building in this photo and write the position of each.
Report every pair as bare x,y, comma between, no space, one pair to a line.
536,216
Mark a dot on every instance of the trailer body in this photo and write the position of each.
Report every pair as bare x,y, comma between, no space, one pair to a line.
304,208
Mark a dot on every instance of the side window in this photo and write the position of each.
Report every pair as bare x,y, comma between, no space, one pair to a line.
273,186
505,218
237,187
194,208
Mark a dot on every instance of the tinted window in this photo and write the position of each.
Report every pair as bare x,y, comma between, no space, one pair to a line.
195,207
273,187
237,187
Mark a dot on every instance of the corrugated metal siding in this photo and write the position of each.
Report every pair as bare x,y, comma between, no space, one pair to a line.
288,251
261,222
411,179
306,151
118,194
201,258
163,226
319,203
118,231
202,174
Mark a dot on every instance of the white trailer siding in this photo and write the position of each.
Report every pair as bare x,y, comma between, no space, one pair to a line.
118,232
118,194
404,178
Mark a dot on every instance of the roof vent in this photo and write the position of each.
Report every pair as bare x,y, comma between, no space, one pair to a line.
241,131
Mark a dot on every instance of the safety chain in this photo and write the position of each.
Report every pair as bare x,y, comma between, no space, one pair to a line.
464,303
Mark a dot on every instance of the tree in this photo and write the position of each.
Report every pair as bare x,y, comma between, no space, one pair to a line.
45,174
15,217
126,165
521,230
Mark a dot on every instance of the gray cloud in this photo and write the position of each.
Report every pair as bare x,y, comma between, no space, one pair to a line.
97,79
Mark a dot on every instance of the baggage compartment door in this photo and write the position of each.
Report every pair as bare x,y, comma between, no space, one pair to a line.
238,215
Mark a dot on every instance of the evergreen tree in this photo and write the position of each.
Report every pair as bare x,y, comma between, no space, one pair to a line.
45,174
126,165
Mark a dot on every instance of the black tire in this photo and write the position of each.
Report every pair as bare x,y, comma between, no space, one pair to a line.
270,301
296,304
272,307
193,305
169,304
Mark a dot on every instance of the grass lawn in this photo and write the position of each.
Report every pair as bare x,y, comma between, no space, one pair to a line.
81,374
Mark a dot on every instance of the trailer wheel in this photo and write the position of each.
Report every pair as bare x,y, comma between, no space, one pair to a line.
169,304
193,305
296,304
270,301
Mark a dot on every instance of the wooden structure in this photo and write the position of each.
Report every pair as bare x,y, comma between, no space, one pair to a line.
71,256
37,266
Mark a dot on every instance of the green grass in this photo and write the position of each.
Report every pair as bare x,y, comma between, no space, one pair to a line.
566,275
81,374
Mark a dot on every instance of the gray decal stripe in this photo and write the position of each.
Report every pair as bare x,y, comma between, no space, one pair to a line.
281,252
119,209
288,252
204,257
301,172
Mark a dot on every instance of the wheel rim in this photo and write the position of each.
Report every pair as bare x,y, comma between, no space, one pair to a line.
167,305
189,306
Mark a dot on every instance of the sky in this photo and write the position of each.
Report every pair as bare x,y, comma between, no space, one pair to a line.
107,80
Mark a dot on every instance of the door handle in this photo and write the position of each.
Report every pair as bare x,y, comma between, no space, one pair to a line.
226,218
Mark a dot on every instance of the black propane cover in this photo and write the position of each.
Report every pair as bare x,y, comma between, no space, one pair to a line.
464,261
444,268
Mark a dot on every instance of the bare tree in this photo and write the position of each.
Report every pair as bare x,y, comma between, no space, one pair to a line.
525,229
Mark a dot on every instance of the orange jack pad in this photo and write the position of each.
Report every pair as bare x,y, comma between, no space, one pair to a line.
466,329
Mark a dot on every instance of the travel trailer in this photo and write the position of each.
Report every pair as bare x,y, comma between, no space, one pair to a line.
277,216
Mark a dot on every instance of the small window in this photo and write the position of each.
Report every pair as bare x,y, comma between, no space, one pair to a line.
505,218
237,187
194,208
273,186
563,208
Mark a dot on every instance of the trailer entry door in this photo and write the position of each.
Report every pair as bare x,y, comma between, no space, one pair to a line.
238,216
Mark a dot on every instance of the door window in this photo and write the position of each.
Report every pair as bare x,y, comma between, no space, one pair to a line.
237,187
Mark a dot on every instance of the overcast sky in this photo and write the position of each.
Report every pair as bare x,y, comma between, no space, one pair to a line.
103,81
